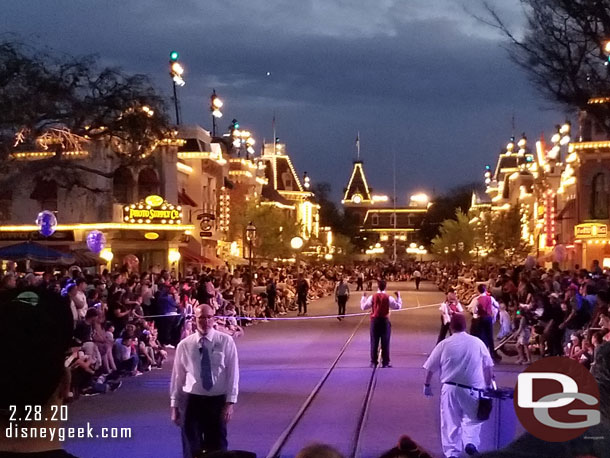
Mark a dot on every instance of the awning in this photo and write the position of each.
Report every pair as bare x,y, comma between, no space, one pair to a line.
185,199
86,258
194,258
31,251
191,256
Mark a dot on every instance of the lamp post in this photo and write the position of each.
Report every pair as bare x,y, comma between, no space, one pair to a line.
176,70
215,106
296,243
250,236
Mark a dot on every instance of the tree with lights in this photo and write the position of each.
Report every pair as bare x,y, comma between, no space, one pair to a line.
58,106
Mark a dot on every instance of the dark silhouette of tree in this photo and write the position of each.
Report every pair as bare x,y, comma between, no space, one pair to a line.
61,103
562,51
444,208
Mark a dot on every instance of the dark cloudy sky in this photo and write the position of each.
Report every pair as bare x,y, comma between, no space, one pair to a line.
419,79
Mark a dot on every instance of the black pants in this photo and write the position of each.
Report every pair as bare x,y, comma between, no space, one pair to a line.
417,282
443,332
359,285
203,417
341,303
485,332
302,302
380,333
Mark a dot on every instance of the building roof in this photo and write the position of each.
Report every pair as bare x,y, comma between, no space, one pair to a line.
357,185
281,174
381,219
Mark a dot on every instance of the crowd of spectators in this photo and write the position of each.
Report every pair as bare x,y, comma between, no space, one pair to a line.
543,311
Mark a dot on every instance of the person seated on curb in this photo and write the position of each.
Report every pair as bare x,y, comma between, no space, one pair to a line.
41,323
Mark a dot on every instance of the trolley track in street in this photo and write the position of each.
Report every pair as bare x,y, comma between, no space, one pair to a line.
307,407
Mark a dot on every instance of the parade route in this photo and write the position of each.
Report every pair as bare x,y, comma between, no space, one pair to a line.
281,363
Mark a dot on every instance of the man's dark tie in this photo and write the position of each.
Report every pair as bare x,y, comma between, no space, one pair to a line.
206,368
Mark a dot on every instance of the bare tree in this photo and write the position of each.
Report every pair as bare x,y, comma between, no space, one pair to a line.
562,51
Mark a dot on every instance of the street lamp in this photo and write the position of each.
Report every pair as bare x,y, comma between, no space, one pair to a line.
250,236
176,70
296,243
215,106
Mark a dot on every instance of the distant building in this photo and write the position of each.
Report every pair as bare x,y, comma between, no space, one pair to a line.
380,224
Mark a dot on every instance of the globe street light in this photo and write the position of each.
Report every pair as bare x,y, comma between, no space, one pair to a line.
296,243
250,236
215,106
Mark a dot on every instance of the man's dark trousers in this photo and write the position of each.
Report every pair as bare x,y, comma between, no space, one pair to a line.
417,282
341,302
380,333
302,303
203,416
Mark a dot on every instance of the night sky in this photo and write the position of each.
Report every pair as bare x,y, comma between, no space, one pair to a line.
420,79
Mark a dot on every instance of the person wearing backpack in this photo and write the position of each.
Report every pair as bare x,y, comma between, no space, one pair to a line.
380,304
448,308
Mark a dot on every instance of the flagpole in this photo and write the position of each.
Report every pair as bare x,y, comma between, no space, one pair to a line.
395,216
358,145
273,125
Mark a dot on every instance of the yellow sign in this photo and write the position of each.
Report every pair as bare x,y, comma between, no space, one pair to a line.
152,210
590,231
154,201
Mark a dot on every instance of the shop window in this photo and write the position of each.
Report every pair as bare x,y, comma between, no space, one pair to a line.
375,220
148,183
392,219
599,197
122,186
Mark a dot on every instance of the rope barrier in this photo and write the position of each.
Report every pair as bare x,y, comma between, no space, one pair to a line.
315,317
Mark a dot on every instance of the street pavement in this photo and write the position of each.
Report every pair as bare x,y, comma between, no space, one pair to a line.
281,362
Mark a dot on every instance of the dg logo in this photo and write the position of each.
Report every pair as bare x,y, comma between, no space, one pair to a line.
557,399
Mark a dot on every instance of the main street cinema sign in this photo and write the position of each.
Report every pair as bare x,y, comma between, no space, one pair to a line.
590,231
152,210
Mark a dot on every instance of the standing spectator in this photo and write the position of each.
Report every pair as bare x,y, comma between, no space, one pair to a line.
484,307
466,368
341,297
302,292
206,369
80,298
271,294
448,308
417,276
380,305
360,281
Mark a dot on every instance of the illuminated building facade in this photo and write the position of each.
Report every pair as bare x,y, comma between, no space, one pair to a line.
380,224
562,192
284,189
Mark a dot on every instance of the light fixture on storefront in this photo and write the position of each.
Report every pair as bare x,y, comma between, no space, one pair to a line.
106,254
151,236
173,255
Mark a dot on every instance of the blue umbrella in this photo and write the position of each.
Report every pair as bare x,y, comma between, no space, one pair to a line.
31,251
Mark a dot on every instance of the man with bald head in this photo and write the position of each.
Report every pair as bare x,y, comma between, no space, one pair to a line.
466,369
205,381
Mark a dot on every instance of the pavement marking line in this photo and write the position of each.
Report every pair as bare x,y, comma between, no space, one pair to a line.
281,441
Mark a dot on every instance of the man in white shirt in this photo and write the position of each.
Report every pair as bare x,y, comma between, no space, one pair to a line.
206,372
466,368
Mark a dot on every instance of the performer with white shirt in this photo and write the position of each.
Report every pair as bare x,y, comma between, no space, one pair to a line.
447,309
466,368
380,305
206,372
